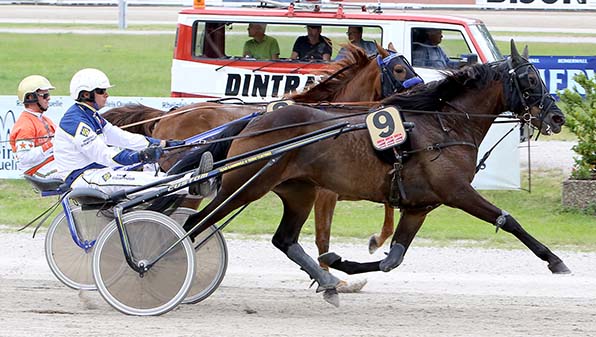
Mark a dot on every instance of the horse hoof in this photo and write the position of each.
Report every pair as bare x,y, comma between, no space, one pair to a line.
332,297
393,259
559,268
329,258
353,287
373,245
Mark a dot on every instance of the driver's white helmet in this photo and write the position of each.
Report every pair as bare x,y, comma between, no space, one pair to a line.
88,79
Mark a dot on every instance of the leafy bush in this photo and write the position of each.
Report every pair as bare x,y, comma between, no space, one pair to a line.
581,120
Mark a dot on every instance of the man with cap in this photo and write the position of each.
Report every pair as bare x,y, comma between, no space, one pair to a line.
312,46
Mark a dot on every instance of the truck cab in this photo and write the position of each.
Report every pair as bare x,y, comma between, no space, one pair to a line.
209,60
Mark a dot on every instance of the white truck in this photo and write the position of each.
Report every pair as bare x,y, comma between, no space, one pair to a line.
208,60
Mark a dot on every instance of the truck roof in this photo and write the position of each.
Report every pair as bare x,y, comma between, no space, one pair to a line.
340,14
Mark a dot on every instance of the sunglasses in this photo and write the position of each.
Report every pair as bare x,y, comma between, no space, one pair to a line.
44,96
100,91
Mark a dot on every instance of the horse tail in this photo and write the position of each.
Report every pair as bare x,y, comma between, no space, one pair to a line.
219,150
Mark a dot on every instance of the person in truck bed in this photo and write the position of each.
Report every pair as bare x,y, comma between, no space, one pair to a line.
261,46
312,46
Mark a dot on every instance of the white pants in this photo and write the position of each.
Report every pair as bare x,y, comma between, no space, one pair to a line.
48,171
109,181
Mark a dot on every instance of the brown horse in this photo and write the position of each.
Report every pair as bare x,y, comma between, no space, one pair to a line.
357,78
439,168
130,114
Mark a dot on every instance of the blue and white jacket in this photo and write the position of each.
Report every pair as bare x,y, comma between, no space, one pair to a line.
85,140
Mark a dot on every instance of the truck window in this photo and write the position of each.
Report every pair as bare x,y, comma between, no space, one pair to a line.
227,39
438,48
209,39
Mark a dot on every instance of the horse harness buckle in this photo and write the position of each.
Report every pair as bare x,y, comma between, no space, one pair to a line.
397,192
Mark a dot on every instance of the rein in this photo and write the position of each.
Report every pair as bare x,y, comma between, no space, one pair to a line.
294,125
157,118
261,132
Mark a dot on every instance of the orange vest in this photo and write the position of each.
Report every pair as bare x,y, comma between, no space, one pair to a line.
31,131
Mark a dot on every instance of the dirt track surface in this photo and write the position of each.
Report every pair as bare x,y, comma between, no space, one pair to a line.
435,292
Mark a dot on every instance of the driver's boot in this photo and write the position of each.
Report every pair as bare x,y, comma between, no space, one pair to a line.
205,188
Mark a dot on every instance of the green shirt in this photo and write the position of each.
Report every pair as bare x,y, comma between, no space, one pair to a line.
261,50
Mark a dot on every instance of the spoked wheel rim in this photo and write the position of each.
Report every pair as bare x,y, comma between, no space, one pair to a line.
211,260
70,263
161,288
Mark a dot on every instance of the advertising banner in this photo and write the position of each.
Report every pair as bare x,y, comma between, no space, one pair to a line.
538,4
558,71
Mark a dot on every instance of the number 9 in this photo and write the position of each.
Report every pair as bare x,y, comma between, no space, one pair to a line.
383,120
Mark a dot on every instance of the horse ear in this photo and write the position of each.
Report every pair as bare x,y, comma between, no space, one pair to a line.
525,53
515,57
381,51
391,47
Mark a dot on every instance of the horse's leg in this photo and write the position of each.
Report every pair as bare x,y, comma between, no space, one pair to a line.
324,206
473,203
377,241
409,224
298,199
325,202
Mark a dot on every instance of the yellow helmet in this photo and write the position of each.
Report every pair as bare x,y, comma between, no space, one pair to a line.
31,84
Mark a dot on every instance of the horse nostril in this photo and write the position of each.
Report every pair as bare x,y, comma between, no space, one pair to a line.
558,119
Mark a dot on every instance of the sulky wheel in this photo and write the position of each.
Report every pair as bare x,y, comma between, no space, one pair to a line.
69,262
164,285
211,260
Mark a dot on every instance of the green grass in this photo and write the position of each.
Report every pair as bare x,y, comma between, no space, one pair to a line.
550,49
90,26
540,212
137,65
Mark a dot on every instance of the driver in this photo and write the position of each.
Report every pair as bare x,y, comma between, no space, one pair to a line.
88,149
31,135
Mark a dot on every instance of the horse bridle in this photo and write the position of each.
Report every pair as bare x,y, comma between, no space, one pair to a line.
543,100
390,84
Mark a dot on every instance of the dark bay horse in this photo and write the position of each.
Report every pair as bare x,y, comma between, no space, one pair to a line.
357,78
439,170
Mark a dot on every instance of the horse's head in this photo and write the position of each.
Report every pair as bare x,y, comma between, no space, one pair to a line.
529,97
397,74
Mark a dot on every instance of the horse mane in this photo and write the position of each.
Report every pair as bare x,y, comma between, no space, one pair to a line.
337,76
430,97
131,113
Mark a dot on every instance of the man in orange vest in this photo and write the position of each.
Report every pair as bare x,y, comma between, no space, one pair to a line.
31,135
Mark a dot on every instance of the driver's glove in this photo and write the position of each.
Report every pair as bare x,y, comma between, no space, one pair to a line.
151,154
